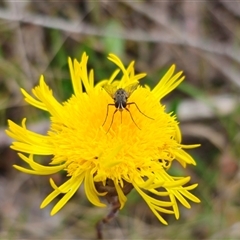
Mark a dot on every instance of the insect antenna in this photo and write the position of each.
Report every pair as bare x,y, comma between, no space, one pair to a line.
139,109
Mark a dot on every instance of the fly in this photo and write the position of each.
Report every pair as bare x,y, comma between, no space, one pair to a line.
120,97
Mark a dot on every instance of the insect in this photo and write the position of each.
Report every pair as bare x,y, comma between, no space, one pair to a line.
120,97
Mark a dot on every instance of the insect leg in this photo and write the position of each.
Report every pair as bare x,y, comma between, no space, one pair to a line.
107,113
139,110
112,119
133,119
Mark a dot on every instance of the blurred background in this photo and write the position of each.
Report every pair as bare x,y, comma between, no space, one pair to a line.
201,37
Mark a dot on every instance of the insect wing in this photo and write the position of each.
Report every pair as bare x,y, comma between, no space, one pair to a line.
110,89
131,88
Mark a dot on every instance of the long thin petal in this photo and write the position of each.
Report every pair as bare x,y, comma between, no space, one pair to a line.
90,191
76,83
63,188
184,157
122,198
167,83
40,168
32,101
66,197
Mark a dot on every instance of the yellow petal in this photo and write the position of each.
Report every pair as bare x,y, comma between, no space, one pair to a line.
91,192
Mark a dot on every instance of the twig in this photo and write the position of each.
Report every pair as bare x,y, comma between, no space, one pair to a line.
220,105
232,6
179,37
206,132
184,38
115,205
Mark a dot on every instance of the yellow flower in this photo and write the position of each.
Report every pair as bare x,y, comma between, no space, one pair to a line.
132,150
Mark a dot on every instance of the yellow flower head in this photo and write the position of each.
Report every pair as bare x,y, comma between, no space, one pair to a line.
110,147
